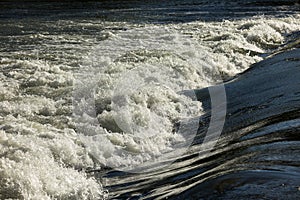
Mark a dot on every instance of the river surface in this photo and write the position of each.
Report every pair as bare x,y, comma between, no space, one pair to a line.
150,100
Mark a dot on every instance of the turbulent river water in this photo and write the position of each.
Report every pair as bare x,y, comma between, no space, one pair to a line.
150,100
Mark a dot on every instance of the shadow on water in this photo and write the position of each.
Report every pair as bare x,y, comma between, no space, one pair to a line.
257,155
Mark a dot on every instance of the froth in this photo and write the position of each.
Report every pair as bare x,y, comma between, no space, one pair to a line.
134,78
45,151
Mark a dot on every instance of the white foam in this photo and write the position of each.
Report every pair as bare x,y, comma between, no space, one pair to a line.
137,73
42,162
43,153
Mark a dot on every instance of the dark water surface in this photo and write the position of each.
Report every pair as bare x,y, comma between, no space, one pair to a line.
258,155
147,11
